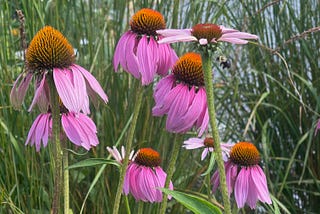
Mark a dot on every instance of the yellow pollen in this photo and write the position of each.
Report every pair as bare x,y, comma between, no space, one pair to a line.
208,142
188,69
207,31
49,49
147,21
244,154
148,157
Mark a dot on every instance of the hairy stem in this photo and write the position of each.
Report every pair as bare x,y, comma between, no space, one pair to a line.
138,100
55,112
207,69
170,170
66,180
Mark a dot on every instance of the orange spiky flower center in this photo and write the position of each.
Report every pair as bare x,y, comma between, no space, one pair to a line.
49,49
245,154
188,69
206,31
147,21
148,157
208,142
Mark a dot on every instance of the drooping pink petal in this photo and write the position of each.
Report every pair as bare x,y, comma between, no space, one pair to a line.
93,83
203,119
17,94
147,58
147,184
43,101
80,130
126,183
161,175
124,52
167,58
39,131
162,89
70,128
130,56
179,107
253,193
241,188
260,183
39,91
162,109
189,119
71,88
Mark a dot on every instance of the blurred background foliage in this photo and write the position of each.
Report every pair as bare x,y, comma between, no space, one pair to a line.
270,96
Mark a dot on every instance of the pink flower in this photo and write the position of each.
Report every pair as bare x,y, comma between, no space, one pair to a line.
78,128
205,34
50,55
182,96
144,175
138,51
195,143
245,176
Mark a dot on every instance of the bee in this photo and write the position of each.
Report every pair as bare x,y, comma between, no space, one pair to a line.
224,62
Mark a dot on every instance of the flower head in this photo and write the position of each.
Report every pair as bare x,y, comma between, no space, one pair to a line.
137,50
49,53
79,129
207,143
144,176
205,34
245,176
182,96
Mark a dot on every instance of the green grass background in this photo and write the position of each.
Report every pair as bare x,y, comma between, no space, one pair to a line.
270,96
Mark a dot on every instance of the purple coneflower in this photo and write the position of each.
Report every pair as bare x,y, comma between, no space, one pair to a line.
195,143
77,127
144,175
138,51
245,176
49,53
182,96
205,34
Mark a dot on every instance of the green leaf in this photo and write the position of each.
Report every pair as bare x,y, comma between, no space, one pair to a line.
93,162
194,203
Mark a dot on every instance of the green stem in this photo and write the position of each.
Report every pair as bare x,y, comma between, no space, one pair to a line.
172,163
66,180
55,112
138,100
140,207
207,69
127,204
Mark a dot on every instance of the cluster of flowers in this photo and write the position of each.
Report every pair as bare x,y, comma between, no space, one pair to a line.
51,57
143,51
